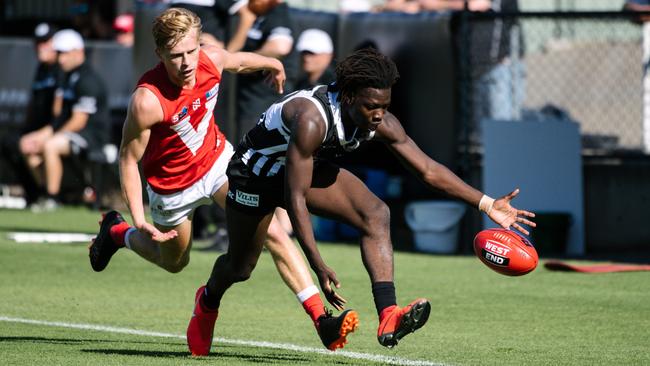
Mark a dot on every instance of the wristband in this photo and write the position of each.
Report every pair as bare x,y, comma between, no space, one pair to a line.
485,204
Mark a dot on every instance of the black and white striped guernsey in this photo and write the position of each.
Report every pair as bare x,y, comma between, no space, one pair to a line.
263,149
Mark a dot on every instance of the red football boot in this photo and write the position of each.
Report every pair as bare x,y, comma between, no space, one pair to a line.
201,327
402,321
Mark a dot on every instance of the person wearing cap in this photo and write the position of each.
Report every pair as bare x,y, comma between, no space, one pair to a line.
316,54
123,27
82,123
43,106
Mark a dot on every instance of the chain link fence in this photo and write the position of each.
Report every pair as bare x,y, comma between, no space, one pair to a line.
582,66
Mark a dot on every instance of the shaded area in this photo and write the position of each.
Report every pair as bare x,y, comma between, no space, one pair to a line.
72,341
267,358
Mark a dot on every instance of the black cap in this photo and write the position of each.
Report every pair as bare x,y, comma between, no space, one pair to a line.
44,32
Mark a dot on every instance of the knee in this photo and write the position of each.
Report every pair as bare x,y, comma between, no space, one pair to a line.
242,273
50,148
377,218
226,267
177,266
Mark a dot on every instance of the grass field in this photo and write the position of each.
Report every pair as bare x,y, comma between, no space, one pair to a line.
54,310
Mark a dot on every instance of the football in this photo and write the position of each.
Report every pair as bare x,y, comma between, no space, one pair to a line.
505,251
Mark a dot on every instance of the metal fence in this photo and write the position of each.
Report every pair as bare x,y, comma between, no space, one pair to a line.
584,66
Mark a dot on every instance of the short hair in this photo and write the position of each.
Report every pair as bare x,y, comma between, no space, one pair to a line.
172,25
365,68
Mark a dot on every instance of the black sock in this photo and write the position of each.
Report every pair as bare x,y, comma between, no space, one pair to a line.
210,302
384,295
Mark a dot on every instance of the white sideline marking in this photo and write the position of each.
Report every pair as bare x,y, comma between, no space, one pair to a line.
27,237
261,344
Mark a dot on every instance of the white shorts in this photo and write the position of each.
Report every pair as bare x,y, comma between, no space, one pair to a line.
172,209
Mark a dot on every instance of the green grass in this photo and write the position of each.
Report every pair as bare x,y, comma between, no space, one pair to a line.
478,317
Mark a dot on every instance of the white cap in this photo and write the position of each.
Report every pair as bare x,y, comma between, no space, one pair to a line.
315,41
67,40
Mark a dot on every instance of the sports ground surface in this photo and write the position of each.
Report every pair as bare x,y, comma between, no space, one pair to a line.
54,310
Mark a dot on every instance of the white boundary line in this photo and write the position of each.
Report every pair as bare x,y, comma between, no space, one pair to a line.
261,344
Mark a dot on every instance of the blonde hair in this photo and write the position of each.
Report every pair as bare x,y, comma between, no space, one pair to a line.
172,25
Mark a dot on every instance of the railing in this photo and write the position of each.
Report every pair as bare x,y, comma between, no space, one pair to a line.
583,66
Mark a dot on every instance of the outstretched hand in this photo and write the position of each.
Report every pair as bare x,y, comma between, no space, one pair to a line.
157,235
505,215
326,278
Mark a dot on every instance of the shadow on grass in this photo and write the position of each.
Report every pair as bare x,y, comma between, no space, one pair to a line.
256,356
70,341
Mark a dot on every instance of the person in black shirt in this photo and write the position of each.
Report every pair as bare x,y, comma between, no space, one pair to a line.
40,111
215,16
81,125
271,35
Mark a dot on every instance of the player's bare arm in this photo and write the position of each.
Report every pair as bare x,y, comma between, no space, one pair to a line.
144,111
440,177
276,47
308,130
246,62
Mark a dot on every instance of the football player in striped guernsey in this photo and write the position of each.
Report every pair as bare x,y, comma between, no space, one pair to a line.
282,162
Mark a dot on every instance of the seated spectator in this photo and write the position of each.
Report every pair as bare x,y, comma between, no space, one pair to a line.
123,27
40,111
81,125
316,53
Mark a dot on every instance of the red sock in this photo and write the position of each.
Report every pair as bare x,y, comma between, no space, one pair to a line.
385,312
118,232
314,308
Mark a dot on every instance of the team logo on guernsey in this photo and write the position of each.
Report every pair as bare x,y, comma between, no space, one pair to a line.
247,199
178,116
196,104
212,92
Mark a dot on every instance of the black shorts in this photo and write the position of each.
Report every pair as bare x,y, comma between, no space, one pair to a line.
254,195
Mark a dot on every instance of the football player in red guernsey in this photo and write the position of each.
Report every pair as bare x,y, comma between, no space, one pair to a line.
170,128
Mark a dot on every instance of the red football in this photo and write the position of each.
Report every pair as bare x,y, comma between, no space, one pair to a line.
505,251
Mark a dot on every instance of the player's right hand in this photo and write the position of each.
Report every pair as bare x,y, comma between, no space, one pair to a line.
277,77
157,235
326,278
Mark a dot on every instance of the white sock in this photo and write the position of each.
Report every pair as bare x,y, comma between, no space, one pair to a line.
127,236
307,293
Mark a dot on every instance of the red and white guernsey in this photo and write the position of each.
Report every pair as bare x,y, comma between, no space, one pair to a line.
184,146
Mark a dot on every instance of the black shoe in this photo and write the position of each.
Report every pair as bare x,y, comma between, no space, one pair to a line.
333,330
103,247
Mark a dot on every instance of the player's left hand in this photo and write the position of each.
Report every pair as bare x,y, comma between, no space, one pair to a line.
157,235
505,215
